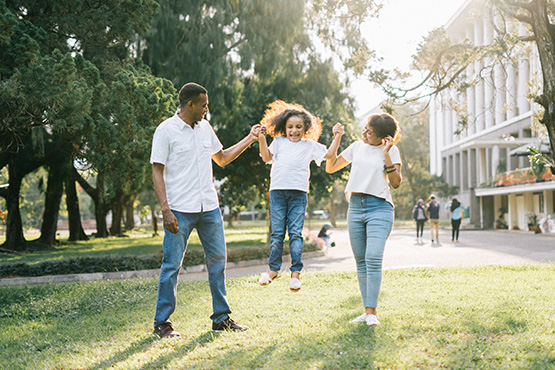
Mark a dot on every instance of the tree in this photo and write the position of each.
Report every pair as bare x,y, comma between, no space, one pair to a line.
46,94
249,53
446,62
414,148
117,149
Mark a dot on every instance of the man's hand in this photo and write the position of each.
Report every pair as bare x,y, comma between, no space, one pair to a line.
170,222
255,132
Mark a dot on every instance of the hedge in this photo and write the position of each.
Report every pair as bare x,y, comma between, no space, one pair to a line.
83,265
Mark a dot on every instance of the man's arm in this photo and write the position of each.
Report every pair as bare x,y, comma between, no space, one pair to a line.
226,156
170,222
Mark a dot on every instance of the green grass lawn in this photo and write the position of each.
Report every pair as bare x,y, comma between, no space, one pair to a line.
449,318
137,243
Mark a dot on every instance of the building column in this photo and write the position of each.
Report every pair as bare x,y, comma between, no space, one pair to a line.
510,91
488,84
494,159
470,93
479,88
482,165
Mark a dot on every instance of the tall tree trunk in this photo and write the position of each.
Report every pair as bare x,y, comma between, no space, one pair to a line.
15,240
545,41
76,231
154,222
333,212
54,192
117,213
129,214
100,206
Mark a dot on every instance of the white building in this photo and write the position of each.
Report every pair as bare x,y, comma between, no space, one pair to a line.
500,118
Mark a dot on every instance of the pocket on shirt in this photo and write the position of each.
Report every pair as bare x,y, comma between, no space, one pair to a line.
207,146
180,148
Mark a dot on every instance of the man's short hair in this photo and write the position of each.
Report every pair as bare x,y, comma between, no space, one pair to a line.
432,196
190,91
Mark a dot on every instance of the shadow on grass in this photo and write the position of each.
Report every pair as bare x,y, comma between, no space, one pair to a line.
181,351
136,347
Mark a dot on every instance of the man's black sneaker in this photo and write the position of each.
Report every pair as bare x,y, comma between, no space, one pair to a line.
228,325
166,331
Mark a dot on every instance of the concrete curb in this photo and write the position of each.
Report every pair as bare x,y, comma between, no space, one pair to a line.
52,279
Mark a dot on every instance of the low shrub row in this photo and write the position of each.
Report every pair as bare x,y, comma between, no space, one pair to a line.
83,265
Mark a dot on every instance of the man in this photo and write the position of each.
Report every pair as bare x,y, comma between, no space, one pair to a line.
183,148
433,211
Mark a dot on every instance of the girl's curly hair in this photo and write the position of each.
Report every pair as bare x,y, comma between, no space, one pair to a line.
279,112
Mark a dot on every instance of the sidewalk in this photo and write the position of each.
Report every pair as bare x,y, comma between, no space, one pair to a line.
476,247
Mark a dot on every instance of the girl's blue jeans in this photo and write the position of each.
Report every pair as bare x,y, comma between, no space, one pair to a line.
287,209
369,221
210,230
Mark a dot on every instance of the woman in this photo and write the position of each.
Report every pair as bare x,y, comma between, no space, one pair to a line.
376,164
456,217
419,215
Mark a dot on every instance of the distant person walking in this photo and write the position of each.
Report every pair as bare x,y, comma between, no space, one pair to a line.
183,149
433,212
376,165
457,213
419,215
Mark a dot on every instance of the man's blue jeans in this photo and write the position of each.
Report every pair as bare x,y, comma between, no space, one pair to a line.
369,220
287,209
210,230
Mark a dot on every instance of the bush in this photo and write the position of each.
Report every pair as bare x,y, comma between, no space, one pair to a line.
83,265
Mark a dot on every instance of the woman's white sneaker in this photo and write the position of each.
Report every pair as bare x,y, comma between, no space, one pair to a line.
372,320
361,318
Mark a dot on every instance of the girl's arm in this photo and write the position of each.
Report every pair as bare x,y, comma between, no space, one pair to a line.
334,163
263,146
393,170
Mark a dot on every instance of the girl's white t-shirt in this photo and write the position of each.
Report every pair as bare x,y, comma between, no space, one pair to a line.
368,175
291,162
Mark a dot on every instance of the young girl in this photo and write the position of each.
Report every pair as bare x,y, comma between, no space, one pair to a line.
295,132
376,165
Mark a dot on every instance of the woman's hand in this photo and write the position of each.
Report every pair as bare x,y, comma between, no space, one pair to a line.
338,129
387,143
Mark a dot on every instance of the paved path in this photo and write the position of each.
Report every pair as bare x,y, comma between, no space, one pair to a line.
476,247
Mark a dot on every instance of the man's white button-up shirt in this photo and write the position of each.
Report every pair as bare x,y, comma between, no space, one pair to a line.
186,154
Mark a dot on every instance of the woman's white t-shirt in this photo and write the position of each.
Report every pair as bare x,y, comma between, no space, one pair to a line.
291,162
368,175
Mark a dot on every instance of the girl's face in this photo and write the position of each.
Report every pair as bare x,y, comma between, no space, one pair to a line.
294,128
368,136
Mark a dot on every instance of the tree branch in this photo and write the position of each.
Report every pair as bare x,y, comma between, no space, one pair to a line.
92,192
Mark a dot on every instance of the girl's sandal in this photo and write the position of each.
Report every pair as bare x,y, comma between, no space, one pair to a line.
265,279
294,285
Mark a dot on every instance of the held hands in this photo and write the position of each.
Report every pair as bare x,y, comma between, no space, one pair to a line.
255,132
338,130
262,133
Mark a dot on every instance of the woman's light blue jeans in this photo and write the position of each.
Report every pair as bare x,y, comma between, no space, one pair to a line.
369,220
210,230
287,209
